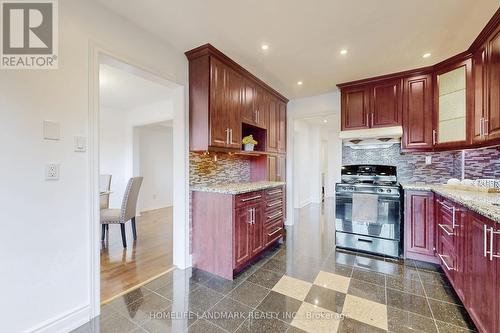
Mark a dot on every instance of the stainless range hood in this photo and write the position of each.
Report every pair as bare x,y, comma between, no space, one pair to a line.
372,138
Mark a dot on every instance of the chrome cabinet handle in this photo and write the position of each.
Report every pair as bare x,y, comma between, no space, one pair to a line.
270,217
252,198
373,119
249,216
274,232
445,230
434,137
453,212
368,119
485,240
274,203
253,215
486,130
444,263
275,192
231,136
481,127
227,135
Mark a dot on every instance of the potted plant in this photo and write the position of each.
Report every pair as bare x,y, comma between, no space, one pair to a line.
249,143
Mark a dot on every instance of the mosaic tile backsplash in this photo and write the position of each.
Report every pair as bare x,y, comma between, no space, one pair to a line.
227,169
482,163
479,163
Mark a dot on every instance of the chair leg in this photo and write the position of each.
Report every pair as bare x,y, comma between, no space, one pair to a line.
134,230
103,233
124,238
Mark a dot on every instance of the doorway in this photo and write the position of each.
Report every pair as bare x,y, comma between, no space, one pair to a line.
136,147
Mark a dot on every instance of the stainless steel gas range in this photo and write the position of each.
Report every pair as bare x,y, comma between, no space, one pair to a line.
368,210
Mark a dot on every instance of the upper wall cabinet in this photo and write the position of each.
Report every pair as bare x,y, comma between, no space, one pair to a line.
454,104
371,105
226,102
452,97
417,113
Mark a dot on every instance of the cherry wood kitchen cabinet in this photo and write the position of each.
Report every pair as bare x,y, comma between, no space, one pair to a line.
386,103
417,113
451,224
276,166
224,98
281,127
482,274
373,102
230,231
371,105
419,226
480,94
273,128
355,113
492,121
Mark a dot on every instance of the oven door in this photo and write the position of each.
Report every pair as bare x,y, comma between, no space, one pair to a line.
388,221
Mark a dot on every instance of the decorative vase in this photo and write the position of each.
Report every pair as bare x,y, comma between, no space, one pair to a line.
248,147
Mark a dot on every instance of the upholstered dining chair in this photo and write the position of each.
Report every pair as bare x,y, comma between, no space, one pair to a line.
126,213
104,186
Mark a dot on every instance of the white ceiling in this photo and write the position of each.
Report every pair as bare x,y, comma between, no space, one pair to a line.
120,89
305,37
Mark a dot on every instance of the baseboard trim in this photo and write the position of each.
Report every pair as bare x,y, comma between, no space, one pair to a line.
64,323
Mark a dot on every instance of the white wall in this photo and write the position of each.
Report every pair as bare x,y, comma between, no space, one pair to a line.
46,241
156,166
116,155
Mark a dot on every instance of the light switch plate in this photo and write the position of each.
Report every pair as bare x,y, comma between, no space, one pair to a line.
51,130
52,171
80,144
428,160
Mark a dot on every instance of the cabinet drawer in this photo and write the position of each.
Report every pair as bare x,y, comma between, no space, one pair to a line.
246,199
273,193
274,204
273,231
271,216
447,256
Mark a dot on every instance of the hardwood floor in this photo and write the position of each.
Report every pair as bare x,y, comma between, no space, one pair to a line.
144,259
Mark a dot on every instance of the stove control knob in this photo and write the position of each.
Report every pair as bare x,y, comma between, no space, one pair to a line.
389,190
380,190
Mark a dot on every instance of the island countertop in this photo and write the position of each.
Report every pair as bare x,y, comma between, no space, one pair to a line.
483,203
235,188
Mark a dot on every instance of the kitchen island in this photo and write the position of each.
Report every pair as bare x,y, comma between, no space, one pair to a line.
234,223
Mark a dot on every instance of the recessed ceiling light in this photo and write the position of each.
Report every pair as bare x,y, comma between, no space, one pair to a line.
265,47
325,121
300,83
343,51
426,55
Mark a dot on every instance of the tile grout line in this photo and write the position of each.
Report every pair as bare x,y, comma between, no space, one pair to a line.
427,300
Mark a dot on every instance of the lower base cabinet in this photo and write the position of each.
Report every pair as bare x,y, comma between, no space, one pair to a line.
230,231
482,274
467,246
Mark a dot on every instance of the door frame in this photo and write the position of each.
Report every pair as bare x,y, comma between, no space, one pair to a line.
181,236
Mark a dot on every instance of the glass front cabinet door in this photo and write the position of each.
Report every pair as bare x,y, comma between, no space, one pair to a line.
451,100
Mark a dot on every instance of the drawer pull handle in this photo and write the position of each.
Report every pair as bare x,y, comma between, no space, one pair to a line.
251,198
274,203
275,192
442,226
275,215
365,240
274,232
445,263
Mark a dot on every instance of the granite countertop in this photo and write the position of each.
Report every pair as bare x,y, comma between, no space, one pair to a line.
486,204
235,188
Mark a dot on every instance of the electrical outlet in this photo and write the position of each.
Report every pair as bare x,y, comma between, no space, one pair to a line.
428,160
52,171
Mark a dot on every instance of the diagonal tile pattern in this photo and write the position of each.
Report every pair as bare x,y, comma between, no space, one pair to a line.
305,285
